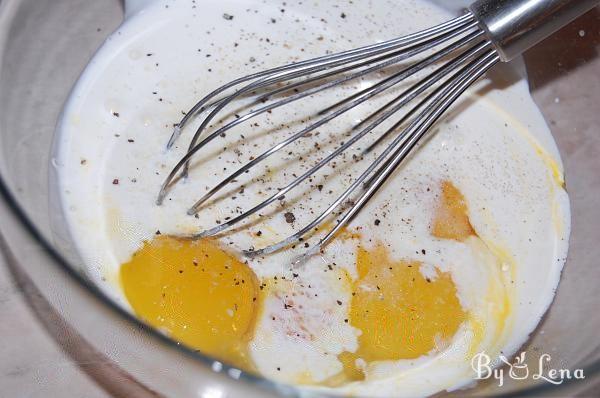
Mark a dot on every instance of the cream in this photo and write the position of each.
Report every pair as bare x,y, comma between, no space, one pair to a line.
493,145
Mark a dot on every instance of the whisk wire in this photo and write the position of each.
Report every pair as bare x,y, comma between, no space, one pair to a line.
398,102
355,100
366,94
447,98
397,42
440,99
303,70
307,78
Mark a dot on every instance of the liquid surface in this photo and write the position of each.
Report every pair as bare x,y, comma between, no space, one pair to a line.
478,212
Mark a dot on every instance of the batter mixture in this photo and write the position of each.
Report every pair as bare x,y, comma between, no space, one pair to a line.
459,253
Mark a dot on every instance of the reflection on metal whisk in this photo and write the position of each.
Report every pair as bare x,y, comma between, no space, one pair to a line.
490,32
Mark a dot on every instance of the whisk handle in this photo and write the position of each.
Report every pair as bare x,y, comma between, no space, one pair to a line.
515,25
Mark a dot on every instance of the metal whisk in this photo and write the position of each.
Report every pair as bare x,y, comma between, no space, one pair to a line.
492,31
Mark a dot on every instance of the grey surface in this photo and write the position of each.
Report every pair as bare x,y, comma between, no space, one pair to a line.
33,363
514,26
50,43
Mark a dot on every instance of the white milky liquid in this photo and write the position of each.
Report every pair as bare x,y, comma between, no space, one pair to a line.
493,145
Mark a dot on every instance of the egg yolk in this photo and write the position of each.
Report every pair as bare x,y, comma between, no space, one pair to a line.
451,219
204,297
197,293
401,313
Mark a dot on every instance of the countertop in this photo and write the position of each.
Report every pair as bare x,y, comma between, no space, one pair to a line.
33,364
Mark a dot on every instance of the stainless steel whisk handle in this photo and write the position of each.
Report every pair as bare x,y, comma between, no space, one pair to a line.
513,26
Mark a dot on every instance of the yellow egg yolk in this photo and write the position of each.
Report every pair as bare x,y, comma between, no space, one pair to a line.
207,299
451,219
401,314
197,293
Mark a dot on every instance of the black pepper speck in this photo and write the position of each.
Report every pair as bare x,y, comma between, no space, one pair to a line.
289,217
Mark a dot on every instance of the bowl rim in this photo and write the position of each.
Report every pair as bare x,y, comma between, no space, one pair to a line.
591,370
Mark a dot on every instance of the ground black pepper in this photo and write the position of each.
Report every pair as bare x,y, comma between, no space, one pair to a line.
289,217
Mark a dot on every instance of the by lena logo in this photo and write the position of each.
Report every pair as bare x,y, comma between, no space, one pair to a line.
519,370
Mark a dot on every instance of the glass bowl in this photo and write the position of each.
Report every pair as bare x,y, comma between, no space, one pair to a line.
44,46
